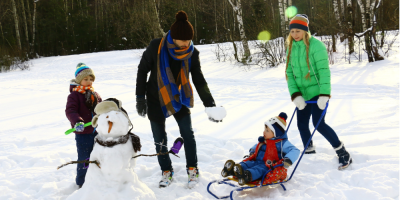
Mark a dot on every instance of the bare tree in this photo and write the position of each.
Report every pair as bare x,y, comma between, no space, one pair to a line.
26,26
33,26
350,31
370,45
282,14
16,23
237,8
336,11
159,32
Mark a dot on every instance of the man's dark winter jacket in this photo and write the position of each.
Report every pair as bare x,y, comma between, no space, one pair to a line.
150,89
77,111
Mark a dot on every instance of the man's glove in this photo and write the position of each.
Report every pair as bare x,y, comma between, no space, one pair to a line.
322,102
299,102
79,127
216,114
141,106
287,163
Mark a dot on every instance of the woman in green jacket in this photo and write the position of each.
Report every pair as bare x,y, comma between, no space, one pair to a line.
308,77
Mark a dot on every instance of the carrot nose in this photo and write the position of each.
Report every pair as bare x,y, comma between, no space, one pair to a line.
110,124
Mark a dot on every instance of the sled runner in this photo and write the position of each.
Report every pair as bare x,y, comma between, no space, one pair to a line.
261,183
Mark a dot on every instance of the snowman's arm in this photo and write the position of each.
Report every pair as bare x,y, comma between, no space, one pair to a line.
77,162
71,110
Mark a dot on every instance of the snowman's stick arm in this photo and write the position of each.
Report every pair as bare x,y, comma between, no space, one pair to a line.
157,154
77,162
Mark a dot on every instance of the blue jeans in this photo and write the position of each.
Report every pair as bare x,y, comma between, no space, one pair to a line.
84,145
256,168
185,128
303,119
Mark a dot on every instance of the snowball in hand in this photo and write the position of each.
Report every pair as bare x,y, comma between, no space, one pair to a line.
217,113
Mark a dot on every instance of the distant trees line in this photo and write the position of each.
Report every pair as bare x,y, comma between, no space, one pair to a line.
31,28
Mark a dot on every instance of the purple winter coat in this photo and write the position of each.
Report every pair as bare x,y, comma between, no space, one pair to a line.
77,111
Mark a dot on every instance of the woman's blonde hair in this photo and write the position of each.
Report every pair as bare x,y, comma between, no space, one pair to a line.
289,42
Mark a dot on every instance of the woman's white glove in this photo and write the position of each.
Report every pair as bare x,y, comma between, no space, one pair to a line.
216,114
299,102
322,102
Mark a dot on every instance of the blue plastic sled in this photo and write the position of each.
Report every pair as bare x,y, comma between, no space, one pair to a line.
249,186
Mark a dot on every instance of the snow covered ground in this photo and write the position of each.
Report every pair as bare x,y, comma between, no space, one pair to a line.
364,111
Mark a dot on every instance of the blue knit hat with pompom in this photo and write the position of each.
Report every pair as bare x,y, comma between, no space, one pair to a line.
277,124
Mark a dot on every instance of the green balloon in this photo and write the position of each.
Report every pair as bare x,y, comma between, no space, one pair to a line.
291,11
264,36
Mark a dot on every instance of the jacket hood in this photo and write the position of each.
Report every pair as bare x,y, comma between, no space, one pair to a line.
72,85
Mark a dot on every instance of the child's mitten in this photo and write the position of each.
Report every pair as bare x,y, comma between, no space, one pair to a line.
79,127
287,162
322,100
300,102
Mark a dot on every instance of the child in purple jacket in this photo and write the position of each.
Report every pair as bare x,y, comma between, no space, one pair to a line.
80,110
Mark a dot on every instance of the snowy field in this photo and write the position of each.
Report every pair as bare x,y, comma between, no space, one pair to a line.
364,111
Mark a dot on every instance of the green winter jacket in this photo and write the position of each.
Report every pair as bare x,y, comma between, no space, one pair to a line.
319,70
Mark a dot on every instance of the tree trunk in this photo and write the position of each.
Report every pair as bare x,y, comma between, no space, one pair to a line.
342,10
336,11
374,45
350,32
159,32
33,28
195,21
282,14
16,23
215,19
365,22
26,25
29,15
238,11
286,17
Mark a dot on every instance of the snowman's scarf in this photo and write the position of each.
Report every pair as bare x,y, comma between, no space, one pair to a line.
122,140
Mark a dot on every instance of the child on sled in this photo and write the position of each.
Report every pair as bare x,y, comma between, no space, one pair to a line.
272,149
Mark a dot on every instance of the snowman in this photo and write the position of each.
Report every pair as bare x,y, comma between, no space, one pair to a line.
113,149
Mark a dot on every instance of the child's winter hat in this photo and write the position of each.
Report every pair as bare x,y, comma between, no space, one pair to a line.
182,29
277,124
82,71
300,21
110,104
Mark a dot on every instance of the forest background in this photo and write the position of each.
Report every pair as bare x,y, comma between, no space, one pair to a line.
32,28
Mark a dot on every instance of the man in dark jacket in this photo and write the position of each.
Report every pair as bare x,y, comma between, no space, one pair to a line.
170,60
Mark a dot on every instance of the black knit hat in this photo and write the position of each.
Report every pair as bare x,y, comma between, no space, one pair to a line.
182,29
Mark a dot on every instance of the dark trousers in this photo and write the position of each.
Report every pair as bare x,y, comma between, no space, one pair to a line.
185,128
303,119
84,145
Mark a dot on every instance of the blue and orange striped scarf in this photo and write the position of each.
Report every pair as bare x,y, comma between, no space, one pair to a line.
173,94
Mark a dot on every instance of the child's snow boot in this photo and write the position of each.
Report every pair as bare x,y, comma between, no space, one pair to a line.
166,178
228,168
247,176
344,157
239,174
310,149
193,176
